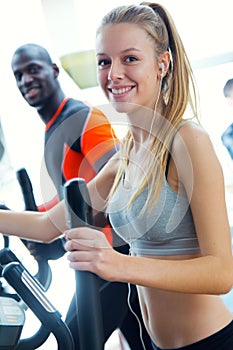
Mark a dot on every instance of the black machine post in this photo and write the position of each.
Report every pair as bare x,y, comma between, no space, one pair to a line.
89,315
27,190
44,274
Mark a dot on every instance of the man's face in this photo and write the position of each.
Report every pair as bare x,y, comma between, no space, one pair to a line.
35,77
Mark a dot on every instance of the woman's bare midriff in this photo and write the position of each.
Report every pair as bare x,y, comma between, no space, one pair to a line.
177,319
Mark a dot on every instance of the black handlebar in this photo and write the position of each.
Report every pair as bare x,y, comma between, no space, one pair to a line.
34,297
44,274
31,289
87,293
27,190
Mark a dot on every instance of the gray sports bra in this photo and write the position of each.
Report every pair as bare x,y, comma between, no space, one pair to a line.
166,230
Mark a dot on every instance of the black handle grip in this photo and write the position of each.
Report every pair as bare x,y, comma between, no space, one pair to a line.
44,274
89,315
27,190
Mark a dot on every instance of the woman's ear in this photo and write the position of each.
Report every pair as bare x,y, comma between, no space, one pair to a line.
164,62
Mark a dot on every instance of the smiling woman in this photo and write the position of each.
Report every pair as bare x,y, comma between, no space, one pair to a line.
136,63
158,196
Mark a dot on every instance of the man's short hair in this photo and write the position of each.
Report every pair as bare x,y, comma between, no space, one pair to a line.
228,88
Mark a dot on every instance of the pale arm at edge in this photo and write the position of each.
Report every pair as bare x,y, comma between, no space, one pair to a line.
38,226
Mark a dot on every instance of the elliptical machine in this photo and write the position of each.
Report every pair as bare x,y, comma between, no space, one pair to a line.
30,293
33,295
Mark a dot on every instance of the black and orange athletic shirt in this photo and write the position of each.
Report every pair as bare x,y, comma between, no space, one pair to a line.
79,140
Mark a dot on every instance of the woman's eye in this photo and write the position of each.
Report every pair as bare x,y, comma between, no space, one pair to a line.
130,59
103,63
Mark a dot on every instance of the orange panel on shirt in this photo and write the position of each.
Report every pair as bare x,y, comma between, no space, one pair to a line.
92,149
75,165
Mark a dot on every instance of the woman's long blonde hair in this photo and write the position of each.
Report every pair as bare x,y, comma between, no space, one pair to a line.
177,90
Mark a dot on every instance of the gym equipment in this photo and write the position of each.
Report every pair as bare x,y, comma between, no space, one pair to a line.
90,321
11,323
44,274
32,294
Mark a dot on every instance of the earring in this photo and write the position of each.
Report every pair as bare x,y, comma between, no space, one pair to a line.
162,68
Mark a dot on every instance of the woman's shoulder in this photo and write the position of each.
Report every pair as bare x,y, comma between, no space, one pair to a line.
191,134
194,156
192,143
190,125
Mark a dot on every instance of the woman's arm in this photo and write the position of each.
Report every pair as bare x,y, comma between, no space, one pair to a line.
46,226
38,226
200,174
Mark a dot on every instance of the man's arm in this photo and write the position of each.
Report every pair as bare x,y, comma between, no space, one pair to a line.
227,140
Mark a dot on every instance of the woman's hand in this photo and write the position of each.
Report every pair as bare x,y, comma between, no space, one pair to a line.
90,251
